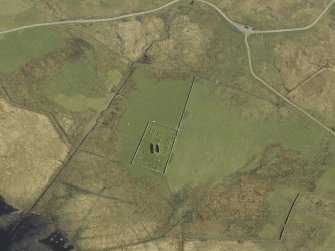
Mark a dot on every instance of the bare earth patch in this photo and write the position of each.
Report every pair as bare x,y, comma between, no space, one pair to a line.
30,150
129,38
219,245
184,47
318,95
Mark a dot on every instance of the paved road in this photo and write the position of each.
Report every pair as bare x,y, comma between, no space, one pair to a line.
241,28
279,94
238,26
83,21
249,32
270,87
302,28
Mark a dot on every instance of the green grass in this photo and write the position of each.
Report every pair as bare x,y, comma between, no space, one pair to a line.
81,103
30,16
266,58
157,135
76,79
280,201
270,245
18,48
155,99
103,8
311,225
13,7
216,139
326,182
85,84
271,15
226,55
262,46
19,12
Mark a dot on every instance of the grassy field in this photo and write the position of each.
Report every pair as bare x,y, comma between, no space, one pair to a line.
75,80
161,100
154,148
202,43
299,65
280,201
223,140
10,8
273,14
103,8
83,85
96,202
311,226
248,148
223,245
55,70
241,154
99,186
16,49
325,185
293,55
240,169
20,12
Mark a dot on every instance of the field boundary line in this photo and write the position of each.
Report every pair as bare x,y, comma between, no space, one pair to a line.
141,140
185,106
180,123
307,27
238,26
151,169
308,78
288,216
139,144
73,152
247,33
187,239
61,132
94,20
170,153
155,122
279,94
237,87
235,24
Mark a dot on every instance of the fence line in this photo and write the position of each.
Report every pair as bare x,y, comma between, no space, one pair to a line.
139,144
